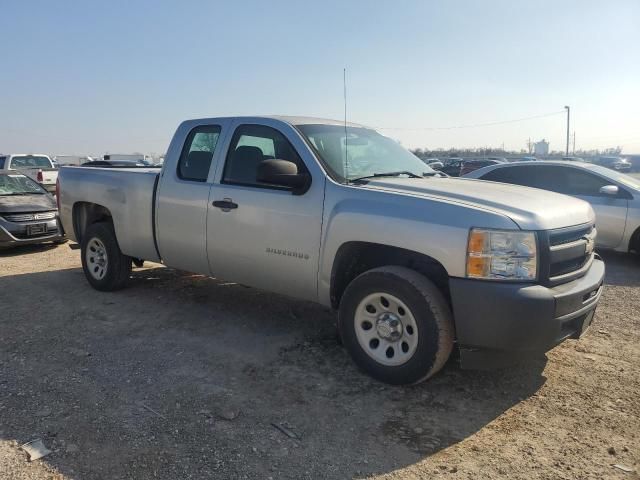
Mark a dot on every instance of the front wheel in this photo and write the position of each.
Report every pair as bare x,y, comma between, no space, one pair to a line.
104,265
396,325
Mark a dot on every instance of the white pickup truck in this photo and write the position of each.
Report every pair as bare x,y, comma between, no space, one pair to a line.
35,166
416,263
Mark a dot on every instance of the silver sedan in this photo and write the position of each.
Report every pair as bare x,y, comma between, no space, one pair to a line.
614,196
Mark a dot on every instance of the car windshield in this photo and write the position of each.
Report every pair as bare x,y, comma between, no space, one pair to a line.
363,153
18,185
30,161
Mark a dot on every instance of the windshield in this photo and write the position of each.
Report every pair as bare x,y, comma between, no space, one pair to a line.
30,161
18,185
364,153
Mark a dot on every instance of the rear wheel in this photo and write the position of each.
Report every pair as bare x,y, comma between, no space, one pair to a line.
396,325
104,265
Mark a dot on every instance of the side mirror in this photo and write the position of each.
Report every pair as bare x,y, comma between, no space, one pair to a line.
284,174
611,190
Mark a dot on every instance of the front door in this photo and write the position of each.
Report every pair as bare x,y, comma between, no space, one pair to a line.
263,235
611,211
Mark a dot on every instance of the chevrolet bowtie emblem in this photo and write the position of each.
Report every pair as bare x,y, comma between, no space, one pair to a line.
590,245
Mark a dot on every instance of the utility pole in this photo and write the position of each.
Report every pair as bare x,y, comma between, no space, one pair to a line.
568,110
574,142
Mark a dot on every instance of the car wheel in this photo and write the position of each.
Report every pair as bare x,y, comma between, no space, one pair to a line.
396,325
104,265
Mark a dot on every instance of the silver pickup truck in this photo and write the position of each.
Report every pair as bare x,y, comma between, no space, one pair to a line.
413,261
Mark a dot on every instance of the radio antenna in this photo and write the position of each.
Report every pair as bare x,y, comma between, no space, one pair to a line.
346,156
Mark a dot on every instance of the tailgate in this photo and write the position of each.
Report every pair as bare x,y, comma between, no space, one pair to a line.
49,177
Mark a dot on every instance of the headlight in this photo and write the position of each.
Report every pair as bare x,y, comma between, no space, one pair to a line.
502,255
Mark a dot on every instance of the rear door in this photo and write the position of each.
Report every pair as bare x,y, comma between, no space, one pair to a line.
183,198
269,238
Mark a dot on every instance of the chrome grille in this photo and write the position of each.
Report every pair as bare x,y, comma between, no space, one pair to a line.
568,235
570,252
29,217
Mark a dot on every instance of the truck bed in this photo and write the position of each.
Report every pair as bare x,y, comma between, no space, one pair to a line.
128,193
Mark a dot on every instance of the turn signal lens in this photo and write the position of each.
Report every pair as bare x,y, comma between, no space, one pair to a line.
477,241
476,266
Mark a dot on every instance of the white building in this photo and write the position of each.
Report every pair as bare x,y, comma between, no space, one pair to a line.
541,148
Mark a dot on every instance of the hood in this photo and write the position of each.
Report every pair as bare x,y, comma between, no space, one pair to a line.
26,203
529,208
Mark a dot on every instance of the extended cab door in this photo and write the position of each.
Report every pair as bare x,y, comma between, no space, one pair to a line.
263,235
183,195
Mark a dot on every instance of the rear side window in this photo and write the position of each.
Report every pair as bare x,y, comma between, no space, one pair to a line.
516,175
251,144
197,153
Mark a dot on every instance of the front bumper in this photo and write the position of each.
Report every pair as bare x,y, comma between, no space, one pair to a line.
496,322
12,234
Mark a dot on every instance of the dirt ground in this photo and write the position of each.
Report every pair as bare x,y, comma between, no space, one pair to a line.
186,377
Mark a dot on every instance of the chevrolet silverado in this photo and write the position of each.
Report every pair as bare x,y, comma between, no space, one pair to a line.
413,261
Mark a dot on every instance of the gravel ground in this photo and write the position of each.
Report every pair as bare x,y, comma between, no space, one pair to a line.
182,376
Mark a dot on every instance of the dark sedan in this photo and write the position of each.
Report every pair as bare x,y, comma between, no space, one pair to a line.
614,163
116,163
28,213
471,165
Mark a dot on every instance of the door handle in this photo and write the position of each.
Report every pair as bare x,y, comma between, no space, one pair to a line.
225,205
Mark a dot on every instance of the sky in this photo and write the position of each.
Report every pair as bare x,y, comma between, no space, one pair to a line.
119,76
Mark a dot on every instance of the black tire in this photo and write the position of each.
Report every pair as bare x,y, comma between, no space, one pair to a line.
118,266
429,309
60,242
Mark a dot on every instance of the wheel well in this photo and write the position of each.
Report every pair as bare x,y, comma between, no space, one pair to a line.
354,258
634,242
85,214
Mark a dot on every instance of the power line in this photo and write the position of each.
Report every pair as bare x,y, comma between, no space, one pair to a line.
475,125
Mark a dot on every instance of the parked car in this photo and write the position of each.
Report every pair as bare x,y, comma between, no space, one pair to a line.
115,163
452,166
469,166
573,159
614,196
434,163
135,157
528,159
28,213
35,166
63,160
614,163
412,261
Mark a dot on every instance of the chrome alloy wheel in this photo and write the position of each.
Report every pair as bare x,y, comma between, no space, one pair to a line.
386,329
96,257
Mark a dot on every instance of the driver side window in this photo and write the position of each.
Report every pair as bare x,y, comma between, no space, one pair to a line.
252,144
